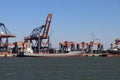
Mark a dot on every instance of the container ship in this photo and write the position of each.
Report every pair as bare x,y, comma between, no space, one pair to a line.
37,44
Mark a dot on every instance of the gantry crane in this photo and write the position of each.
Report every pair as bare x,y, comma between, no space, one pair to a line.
39,36
67,46
4,35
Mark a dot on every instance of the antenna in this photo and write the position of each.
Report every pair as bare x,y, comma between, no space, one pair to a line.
93,37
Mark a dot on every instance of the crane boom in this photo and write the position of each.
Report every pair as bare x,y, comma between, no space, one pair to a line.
39,36
41,32
47,26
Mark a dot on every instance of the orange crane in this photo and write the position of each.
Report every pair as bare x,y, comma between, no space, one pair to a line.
47,26
39,36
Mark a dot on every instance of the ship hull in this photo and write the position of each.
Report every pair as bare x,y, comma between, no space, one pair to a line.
113,53
72,54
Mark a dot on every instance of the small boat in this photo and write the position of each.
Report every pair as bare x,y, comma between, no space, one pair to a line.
115,52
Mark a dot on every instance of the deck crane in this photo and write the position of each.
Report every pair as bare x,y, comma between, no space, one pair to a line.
39,37
4,35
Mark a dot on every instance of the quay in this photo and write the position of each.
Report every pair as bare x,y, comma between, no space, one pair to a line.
4,54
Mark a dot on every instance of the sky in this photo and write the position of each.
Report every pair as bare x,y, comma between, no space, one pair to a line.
73,20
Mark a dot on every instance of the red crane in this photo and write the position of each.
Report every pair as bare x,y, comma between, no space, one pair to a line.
47,26
39,36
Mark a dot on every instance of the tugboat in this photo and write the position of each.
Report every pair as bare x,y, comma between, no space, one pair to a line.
114,51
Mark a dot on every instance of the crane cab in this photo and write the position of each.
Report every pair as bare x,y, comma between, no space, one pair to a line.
27,47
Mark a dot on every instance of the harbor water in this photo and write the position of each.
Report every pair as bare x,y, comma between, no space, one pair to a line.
84,68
